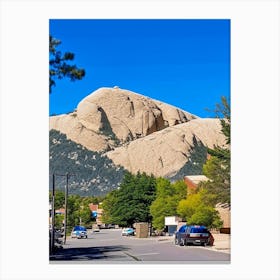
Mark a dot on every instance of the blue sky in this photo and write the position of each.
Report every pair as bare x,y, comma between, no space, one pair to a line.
185,63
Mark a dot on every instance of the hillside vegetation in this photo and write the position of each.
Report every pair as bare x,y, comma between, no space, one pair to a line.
94,173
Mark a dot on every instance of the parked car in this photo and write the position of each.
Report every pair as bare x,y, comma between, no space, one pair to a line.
79,232
193,234
197,235
127,231
180,235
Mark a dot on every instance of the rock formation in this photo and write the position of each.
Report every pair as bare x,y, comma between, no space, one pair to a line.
110,117
165,152
136,132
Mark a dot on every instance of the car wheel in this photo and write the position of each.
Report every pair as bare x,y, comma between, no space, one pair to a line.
186,243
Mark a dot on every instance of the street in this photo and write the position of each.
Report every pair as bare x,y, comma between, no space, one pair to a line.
108,246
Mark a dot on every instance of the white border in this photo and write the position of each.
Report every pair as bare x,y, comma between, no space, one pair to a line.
24,136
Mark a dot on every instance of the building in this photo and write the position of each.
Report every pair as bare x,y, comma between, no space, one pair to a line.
224,211
172,222
96,213
60,211
193,181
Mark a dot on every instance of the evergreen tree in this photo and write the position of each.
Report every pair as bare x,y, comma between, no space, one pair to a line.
217,168
58,64
131,202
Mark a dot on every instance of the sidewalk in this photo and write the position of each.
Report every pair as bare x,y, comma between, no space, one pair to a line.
221,242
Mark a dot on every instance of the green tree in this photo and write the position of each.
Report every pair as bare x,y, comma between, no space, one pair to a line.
217,168
131,202
162,205
206,215
59,221
167,198
187,207
219,174
199,209
84,215
108,206
222,111
58,64
59,199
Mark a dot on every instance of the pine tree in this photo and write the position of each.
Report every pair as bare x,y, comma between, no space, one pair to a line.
217,168
58,66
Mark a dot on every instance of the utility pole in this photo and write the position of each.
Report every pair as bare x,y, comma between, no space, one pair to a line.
53,216
65,215
53,209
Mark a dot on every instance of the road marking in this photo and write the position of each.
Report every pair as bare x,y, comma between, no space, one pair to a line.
135,258
147,254
105,240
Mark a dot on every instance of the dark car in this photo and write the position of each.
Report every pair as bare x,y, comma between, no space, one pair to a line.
197,235
79,232
193,234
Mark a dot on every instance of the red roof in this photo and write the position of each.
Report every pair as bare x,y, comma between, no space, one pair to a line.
93,207
60,211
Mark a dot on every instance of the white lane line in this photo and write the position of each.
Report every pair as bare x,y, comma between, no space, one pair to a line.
105,240
147,254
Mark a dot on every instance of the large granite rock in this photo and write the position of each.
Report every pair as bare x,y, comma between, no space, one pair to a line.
110,117
165,152
136,132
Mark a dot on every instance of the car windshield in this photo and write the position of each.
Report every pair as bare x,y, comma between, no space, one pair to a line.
79,228
199,230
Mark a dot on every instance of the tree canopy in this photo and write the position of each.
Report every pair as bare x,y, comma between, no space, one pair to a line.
131,202
199,208
167,198
58,64
77,209
217,168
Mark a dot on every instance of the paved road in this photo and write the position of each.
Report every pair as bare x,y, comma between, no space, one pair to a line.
109,246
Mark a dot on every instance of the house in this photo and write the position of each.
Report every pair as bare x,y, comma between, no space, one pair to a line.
193,181
96,213
224,211
172,222
60,211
